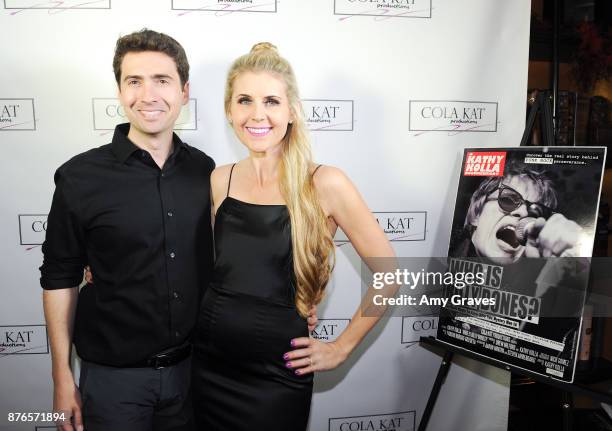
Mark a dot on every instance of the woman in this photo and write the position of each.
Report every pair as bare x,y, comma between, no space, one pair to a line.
275,215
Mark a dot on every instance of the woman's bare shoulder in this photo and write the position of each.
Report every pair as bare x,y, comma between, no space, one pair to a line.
220,175
330,179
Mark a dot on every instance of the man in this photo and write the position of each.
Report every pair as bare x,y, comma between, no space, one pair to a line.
138,212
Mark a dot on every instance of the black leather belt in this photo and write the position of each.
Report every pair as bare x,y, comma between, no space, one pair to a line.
164,359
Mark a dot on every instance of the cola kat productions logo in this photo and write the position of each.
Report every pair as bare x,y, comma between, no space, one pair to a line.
452,116
401,421
108,112
63,4
398,226
329,115
269,6
32,229
415,327
484,164
328,329
387,8
23,340
17,114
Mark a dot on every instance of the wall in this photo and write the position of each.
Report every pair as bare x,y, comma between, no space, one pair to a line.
371,74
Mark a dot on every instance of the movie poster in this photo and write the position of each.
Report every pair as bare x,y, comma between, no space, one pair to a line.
524,225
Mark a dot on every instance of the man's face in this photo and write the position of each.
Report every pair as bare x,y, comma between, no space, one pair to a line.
151,93
495,234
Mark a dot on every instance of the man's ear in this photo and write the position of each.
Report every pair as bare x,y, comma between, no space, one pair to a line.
473,220
186,93
475,210
469,230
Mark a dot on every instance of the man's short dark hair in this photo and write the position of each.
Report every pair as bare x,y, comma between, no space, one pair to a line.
542,182
149,40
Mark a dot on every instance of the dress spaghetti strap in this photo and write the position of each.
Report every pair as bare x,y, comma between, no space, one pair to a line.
230,180
315,171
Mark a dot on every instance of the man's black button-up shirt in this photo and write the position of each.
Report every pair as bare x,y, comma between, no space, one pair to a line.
145,232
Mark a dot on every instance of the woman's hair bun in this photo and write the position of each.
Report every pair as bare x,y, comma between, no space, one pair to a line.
262,47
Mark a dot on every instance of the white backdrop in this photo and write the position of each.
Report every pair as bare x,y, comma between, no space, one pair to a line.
393,89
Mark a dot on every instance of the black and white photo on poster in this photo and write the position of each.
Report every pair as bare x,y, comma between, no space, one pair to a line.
524,221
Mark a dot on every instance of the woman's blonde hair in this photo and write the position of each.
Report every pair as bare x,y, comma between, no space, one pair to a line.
313,246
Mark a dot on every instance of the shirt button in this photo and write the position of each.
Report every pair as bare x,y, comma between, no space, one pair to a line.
177,333
175,295
163,175
170,214
172,255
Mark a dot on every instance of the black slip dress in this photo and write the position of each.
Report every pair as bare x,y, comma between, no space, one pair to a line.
247,320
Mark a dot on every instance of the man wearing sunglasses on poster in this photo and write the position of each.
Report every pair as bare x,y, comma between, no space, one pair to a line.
514,216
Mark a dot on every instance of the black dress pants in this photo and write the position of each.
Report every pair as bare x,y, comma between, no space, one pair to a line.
136,399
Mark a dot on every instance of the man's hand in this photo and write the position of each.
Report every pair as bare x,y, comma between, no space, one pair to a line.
67,401
59,306
312,318
556,236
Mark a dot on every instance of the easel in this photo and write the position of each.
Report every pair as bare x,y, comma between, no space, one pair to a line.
542,106
567,389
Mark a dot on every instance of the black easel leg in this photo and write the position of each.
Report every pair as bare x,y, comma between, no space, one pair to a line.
567,407
435,390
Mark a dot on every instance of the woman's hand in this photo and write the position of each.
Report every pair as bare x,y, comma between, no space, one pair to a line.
313,355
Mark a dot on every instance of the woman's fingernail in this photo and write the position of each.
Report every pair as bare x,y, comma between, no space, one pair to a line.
288,365
292,343
286,356
298,372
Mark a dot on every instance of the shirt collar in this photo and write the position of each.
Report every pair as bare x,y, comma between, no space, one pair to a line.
123,148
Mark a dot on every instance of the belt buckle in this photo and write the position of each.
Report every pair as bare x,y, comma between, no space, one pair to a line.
158,360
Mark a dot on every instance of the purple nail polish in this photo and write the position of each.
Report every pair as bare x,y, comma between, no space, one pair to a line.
288,365
286,356
292,343
298,372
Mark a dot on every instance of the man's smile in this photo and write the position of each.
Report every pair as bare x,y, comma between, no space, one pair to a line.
150,114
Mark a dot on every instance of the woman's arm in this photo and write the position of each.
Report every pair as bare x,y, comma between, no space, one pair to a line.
342,202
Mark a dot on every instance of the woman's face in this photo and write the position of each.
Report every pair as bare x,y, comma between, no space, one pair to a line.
259,111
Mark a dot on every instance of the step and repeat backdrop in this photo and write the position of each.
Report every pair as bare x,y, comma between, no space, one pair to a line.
393,90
